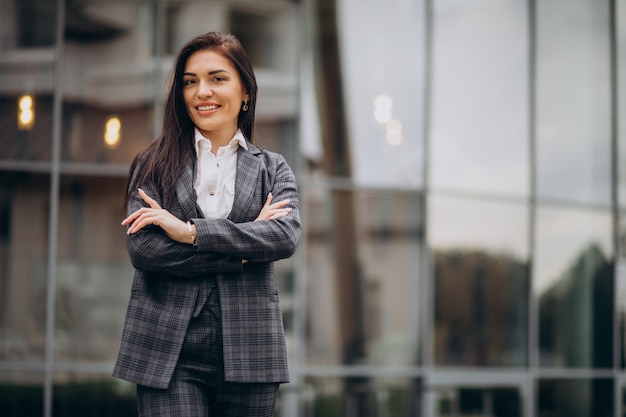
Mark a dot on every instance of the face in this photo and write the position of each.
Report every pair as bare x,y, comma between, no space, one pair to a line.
213,94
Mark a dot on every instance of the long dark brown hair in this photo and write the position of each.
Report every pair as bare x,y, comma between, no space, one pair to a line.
162,160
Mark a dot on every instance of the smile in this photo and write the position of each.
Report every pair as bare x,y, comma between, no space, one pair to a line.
204,108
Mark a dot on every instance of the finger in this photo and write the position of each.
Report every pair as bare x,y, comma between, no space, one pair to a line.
146,218
138,225
145,197
131,218
269,200
277,215
279,204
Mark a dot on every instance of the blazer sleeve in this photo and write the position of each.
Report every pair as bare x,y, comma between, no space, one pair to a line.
150,249
260,241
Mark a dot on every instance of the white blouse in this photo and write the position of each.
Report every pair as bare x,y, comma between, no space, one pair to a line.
215,175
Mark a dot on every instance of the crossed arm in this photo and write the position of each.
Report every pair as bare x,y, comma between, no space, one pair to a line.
159,241
178,230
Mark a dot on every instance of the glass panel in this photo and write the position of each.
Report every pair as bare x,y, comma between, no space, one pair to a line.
110,81
92,395
575,398
257,33
34,23
574,100
573,280
24,203
363,397
481,281
480,120
21,393
111,135
27,31
362,253
384,89
94,272
491,402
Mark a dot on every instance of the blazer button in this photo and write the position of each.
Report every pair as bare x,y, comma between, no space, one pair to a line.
211,192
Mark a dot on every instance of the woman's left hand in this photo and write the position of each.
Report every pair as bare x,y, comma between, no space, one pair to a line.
273,211
172,226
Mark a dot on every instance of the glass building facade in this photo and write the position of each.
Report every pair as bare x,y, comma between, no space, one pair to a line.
462,177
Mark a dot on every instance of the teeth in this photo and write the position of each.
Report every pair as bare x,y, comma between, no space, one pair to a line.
207,107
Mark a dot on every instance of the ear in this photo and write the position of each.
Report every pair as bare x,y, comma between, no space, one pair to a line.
246,96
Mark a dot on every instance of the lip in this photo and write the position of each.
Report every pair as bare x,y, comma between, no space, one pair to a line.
206,107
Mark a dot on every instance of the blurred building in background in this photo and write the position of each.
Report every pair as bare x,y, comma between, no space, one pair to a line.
462,175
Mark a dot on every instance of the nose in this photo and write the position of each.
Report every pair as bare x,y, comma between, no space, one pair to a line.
204,89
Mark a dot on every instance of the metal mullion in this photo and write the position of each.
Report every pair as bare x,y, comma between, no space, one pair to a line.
426,277
53,215
159,31
533,313
615,148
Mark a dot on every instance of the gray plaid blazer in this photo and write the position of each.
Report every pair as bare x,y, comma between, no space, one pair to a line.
167,276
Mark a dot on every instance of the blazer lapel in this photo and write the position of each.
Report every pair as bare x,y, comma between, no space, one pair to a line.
186,194
246,182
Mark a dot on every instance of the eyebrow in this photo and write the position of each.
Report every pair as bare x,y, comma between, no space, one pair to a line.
213,72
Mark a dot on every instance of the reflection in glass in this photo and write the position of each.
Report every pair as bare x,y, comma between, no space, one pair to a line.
575,398
573,278
480,115
94,274
21,393
25,112
23,263
27,63
492,402
92,395
372,318
480,282
89,133
374,64
109,70
574,100
34,23
328,397
18,143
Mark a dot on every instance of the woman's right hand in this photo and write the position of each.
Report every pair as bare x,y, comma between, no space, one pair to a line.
273,211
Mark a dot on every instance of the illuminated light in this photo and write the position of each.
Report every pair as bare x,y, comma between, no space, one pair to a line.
112,130
382,108
394,132
25,112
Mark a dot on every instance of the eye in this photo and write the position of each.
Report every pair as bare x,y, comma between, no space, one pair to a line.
219,79
189,81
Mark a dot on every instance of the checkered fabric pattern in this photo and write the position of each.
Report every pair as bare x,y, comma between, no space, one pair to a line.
197,387
168,275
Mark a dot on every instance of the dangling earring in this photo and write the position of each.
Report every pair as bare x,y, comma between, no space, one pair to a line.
245,106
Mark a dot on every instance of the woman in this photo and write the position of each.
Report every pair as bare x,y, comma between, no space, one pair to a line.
203,333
